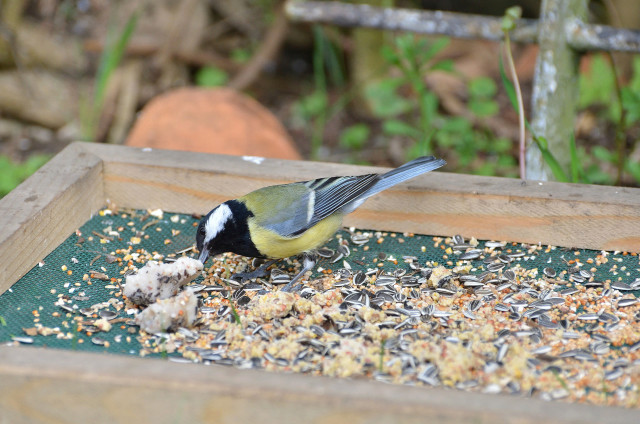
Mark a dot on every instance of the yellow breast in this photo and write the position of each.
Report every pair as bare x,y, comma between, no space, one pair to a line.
275,246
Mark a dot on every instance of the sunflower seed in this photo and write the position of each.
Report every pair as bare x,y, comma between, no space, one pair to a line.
613,374
494,244
359,239
570,335
336,257
501,307
385,280
107,314
509,275
359,278
344,249
197,287
470,255
495,266
542,350
623,303
502,352
399,272
325,252
549,272
577,278
588,317
409,281
541,304
619,285
600,348
506,259
98,341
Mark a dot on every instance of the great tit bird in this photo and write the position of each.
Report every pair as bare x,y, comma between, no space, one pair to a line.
285,220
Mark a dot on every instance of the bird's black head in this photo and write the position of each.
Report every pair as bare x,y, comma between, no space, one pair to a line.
225,229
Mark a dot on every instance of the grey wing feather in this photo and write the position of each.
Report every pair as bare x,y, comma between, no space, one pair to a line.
406,172
303,208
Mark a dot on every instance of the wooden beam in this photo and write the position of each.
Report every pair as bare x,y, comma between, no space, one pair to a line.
44,210
569,215
53,386
555,89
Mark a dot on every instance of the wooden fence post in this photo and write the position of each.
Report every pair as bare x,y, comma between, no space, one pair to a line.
555,89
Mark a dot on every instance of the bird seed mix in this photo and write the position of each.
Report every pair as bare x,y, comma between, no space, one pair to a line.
485,316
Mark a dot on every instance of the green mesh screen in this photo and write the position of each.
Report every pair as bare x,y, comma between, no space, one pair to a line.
100,246
51,305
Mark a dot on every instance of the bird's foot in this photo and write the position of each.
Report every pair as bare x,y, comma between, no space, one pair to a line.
308,262
259,272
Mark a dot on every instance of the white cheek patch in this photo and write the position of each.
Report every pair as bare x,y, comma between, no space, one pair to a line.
216,222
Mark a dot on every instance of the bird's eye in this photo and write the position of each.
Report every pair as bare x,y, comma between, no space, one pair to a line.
201,231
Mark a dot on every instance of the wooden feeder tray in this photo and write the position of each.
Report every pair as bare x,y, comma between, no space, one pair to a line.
44,385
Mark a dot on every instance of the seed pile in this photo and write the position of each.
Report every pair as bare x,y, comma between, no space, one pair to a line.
493,317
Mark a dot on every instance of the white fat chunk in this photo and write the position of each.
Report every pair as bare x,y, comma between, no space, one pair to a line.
160,281
169,314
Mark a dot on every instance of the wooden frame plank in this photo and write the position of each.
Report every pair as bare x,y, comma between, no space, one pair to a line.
44,385
41,213
100,388
570,215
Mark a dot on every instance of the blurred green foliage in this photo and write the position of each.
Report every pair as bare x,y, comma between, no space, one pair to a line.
619,107
210,76
13,173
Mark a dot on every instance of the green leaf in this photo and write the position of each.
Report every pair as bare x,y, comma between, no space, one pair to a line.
575,161
428,109
210,76
509,88
550,160
355,136
501,145
313,104
634,84
483,108
603,154
482,87
445,65
631,105
390,55
633,168
422,148
384,100
435,47
597,84
240,55
396,127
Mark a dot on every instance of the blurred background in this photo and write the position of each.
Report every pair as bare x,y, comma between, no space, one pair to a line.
236,76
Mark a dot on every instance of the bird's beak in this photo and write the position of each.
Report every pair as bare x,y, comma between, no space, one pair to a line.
204,255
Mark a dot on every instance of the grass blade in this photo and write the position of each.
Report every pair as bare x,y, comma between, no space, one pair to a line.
575,164
111,56
509,88
550,160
